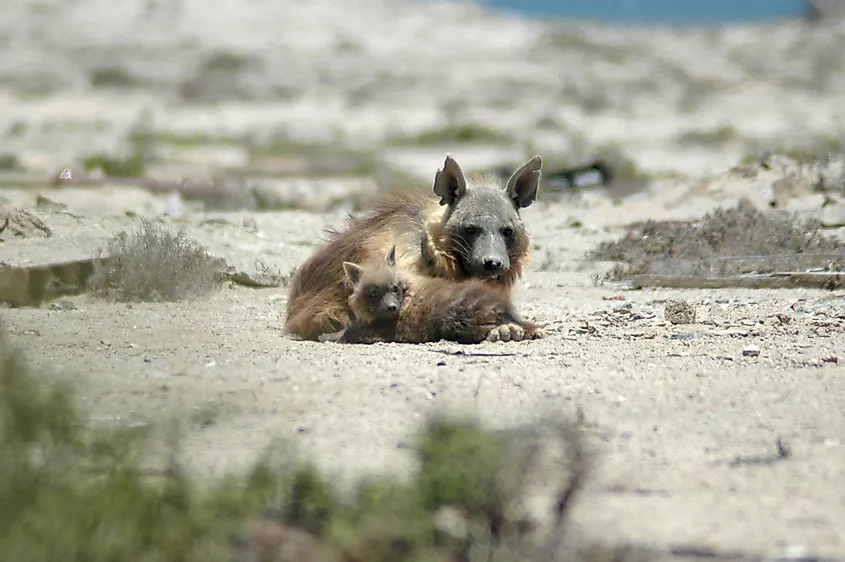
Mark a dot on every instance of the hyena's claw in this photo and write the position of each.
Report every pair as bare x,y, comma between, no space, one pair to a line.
536,334
506,332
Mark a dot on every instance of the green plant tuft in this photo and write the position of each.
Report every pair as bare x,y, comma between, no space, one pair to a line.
130,166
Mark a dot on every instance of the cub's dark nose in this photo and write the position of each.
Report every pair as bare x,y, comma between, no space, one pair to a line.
392,308
493,265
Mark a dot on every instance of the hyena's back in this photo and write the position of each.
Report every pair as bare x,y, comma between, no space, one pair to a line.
318,294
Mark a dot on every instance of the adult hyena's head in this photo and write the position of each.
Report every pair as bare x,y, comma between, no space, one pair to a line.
482,222
377,288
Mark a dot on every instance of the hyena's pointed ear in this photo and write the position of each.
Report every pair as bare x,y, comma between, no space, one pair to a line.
391,256
353,272
525,182
450,183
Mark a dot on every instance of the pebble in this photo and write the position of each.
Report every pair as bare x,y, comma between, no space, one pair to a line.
63,305
679,312
751,351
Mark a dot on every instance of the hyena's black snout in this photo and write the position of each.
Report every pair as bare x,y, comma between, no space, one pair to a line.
492,256
493,265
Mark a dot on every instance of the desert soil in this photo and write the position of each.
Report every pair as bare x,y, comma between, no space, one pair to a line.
677,414
667,407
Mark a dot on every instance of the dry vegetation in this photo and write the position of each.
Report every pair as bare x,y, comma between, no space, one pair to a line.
725,242
154,263
73,491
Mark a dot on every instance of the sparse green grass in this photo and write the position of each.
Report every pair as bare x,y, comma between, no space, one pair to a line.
570,39
9,161
217,77
463,133
705,137
131,166
35,84
112,77
724,242
184,140
324,159
152,264
18,129
808,152
224,62
72,491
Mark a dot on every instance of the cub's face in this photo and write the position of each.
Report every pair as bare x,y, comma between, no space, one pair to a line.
377,290
382,296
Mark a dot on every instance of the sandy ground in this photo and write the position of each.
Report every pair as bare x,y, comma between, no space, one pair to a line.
668,408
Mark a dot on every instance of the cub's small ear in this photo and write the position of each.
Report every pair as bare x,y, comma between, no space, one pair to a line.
353,272
391,256
524,184
450,183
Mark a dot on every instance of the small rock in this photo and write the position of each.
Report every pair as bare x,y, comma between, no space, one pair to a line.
679,312
833,215
63,305
20,223
751,351
684,336
250,222
733,332
45,204
261,279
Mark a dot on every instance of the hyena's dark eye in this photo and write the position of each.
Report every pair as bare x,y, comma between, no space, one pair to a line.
507,232
471,229
395,288
374,292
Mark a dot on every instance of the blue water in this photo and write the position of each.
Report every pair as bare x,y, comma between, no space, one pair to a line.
682,12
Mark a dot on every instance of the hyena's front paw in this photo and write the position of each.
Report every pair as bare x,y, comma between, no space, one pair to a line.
332,337
506,332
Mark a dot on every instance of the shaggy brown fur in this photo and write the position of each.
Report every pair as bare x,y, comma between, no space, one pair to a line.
394,305
474,231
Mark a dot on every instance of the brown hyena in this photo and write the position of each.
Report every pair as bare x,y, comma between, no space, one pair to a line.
473,231
391,305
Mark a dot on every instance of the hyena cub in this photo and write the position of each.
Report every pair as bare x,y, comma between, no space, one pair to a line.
391,304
